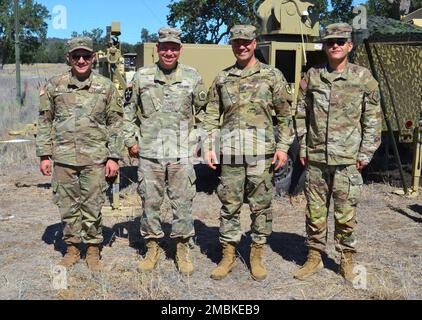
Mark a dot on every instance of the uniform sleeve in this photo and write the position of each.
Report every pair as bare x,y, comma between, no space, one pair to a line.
283,113
130,127
44,146
114,113
303,103
371,121
212,115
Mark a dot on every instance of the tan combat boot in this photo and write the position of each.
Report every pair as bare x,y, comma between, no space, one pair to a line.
184,264
258,270
311,266
152,256
93,258
226,264
72,256
347,265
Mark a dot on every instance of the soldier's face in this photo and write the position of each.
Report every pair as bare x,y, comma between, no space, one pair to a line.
168,54
337,49
81,62
243,50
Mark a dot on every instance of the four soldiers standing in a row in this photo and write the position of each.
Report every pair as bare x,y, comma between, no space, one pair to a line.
338,124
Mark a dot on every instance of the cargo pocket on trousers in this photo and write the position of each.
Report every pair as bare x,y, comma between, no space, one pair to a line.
355,185
141,184
56,198
222,190
192,182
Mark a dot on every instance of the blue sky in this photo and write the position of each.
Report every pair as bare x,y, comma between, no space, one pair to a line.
87,15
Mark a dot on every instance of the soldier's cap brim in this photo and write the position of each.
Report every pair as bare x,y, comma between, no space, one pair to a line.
169,39
81,48
242,38
333,36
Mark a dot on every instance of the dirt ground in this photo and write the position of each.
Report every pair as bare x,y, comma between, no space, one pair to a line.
389,240
389,234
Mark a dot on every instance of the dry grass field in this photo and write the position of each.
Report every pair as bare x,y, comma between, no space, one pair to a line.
389,235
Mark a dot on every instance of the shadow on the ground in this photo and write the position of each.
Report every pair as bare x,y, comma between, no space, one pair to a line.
129,230
44,186
291,247
128,176
404,213
207,179
416,208
207,240
53,235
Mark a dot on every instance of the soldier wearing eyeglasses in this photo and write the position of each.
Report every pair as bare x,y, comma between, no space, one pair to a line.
78,130
338,123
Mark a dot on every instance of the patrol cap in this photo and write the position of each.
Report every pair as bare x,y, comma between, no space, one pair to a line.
246,32
169,35
80,43
338,30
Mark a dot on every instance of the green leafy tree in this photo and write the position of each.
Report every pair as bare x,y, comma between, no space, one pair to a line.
146,36
127,47
33,29
96,34
342,11
203,21
390,9
52,51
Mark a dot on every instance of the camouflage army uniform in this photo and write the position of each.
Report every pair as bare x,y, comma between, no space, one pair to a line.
243,101
161,110
78,127
338,123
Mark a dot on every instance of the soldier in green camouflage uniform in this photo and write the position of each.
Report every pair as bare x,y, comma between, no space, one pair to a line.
79,118
165,98
339,127
239,110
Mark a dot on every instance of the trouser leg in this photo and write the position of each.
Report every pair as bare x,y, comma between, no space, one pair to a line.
151,186
259,192
93,186
346,194
66,195
181,190
318,193
231,193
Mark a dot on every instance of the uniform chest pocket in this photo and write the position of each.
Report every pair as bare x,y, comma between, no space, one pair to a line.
351,102
177,98
64,104
149,101
98,112
229,92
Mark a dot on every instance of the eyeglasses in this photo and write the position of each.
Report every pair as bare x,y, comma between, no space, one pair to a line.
166,47
339,42
86,57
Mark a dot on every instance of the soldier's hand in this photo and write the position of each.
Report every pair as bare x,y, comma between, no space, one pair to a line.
212,160
280,159
45,166
112,168
360,165
304,161
134,151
